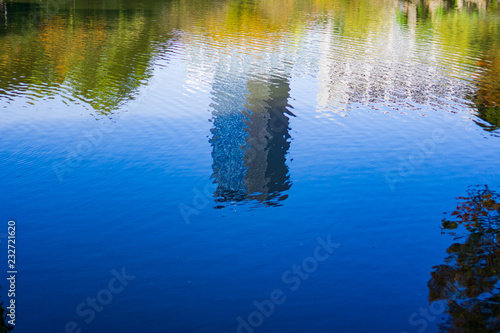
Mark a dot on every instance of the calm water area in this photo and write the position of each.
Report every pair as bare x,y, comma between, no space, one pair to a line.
250,165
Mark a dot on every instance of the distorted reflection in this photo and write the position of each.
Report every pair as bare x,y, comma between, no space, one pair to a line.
250,140
487,95
401,56
420,10
4,324
87,53
441,14
470,280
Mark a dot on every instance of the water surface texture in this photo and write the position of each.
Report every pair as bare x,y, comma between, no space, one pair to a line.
251,165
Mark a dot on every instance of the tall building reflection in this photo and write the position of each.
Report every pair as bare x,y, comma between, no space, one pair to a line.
250,139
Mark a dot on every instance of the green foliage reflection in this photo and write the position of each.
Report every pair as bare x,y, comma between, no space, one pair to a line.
101,52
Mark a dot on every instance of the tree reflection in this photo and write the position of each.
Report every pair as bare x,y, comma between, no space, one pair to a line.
470,280
459,24
421,10
100,53
4,326
487,97
96,53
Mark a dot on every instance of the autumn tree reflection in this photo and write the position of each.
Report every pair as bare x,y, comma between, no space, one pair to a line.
95,54
487,97
470,280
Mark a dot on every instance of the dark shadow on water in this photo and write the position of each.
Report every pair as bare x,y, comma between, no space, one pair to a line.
250,142
4,325
469,281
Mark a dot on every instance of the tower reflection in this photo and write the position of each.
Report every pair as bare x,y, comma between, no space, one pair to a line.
250,140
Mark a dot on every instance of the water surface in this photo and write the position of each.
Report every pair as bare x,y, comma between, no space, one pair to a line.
207,148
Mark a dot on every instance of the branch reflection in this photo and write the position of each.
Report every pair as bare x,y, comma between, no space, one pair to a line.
469,281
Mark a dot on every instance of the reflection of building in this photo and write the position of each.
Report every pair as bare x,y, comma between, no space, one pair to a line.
250,92
250,138
268,141
228,138
390,67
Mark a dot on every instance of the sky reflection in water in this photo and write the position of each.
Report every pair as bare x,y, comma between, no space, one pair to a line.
125,124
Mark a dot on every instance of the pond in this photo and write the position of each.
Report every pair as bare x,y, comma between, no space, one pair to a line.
250,165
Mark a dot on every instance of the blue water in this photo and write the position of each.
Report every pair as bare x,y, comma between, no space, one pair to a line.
185,185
